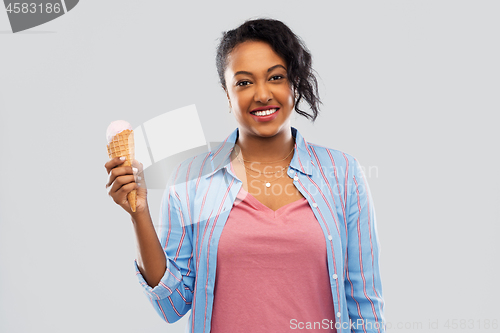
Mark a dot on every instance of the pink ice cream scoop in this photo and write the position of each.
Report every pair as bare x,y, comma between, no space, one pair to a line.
116,127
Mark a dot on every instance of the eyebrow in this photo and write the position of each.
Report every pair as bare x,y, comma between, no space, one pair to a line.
248,73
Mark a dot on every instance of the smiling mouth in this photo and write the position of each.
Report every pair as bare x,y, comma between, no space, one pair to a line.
264,113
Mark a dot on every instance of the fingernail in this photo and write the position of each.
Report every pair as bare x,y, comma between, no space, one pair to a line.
134,169
123,158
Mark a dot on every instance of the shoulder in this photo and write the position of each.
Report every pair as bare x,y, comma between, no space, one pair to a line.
338,167
327,158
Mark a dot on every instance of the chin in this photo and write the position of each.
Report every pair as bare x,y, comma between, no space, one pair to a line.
267,130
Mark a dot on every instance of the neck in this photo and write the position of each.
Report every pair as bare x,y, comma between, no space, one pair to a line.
264,149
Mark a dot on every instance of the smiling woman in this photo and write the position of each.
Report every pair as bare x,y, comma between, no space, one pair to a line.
267,231
285,45
252,90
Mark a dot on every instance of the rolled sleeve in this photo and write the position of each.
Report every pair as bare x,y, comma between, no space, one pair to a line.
167,285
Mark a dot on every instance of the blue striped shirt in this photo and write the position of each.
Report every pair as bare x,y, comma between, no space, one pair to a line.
196,205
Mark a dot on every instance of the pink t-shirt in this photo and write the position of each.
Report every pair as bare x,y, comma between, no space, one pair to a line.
272,273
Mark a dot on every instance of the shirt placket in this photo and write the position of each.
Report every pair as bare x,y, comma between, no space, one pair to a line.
333,239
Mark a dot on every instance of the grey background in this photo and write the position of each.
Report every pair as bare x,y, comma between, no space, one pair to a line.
409,87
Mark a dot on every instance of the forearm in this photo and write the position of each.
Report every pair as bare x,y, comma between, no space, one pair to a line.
169,291
150,256
363,284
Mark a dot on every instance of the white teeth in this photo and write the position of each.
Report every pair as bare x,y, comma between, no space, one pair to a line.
265,112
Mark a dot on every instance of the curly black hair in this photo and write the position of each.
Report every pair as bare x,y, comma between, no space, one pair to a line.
287,45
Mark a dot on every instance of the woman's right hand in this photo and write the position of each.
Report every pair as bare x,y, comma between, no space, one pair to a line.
122,180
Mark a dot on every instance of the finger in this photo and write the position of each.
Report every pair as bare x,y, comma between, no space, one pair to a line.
138,169
117,172
121,194
119,183
114,162
126,189
138,177
141,182
137,164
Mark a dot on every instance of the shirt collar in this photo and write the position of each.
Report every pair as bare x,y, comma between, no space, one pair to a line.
301,161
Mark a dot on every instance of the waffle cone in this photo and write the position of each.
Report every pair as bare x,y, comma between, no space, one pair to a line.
123,145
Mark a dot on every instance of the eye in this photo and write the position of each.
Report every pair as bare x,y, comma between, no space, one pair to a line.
240,83
277,76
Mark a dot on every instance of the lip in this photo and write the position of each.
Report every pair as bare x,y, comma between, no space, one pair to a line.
265,118
262,108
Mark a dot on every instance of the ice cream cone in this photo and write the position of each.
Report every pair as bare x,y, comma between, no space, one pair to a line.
122,144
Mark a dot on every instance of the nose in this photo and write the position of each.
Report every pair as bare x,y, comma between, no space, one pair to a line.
262,93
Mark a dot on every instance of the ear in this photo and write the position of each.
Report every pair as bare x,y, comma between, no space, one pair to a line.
295,96
296,88
227,94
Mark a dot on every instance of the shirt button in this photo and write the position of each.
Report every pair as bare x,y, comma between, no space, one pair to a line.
315,205
338,314
330,237
334,276
295,178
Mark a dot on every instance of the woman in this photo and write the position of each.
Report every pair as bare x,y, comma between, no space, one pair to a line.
267,232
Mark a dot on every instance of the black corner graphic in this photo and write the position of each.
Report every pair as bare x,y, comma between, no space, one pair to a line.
32,13
70,4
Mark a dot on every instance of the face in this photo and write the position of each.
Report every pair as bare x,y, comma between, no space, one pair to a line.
256,77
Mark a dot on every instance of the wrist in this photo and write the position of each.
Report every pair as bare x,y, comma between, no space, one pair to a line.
140,216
